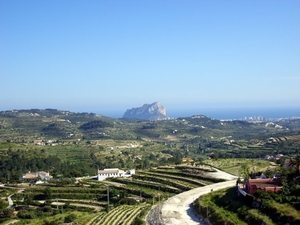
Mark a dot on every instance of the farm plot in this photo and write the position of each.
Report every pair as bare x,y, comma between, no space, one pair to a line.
148,184
194,183
182,185
188,175
96,218
161,183
66,193
123,214
235,166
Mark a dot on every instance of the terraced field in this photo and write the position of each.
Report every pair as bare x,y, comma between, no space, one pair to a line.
236,166
165,182
145,188
124,215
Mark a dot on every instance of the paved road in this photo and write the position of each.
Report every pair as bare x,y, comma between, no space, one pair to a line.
10,201
178,209
79,205
11,222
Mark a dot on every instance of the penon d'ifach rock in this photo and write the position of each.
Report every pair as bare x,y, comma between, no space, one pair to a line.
154,111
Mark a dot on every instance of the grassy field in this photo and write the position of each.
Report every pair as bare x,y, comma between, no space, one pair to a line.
236,166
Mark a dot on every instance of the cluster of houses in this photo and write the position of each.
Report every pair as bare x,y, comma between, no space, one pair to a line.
45,142
36,176
273,157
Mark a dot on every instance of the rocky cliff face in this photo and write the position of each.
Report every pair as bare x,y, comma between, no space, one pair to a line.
154,111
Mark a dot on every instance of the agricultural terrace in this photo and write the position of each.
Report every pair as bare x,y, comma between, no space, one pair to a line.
240,167
129,198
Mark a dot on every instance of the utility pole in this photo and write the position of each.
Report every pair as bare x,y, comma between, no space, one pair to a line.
107,198
207,212
97,170
140,197
159,196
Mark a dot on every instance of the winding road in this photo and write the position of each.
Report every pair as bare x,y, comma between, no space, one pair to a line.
178,209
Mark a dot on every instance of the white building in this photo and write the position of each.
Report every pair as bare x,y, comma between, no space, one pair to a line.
36,176
114,172
130,172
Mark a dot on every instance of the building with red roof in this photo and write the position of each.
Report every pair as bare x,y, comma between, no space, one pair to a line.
268,185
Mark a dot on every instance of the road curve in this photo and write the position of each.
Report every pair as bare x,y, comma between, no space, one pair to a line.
10,201
178,209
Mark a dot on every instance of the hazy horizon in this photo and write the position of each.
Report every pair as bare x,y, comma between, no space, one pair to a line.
221,113
217,112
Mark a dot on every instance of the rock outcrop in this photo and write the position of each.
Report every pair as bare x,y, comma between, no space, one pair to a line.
154,111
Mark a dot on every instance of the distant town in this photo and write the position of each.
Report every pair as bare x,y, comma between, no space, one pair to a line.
257,119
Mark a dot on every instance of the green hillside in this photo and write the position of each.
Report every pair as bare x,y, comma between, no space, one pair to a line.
75,144
70,145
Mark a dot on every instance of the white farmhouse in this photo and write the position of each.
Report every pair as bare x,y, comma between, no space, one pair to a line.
34,176
114,172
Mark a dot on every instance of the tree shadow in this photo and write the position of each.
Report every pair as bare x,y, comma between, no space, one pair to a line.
190,212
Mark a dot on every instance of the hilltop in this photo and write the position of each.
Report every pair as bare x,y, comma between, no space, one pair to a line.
197,136
32,124
154,111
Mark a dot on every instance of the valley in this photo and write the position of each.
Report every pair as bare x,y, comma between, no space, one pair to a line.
170,156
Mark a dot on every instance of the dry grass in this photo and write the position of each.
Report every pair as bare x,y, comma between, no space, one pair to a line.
234,165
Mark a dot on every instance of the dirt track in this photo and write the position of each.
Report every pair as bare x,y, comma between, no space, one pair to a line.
178,210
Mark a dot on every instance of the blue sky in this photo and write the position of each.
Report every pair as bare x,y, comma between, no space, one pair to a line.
108,56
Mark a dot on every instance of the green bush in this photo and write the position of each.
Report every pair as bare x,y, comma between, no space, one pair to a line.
138,221
128,201
26,214
3,204
8,212
70,218
53,222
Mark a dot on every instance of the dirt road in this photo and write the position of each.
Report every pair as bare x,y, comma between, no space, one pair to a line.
178,209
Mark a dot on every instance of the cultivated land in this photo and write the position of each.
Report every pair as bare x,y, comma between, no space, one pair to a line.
70,145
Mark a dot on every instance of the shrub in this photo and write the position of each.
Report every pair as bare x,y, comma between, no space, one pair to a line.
8,212
260,194
26,214
138,221
70,218
2,204
53,222
128,201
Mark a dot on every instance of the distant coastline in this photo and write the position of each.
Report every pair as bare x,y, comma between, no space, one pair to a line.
226,114
236,114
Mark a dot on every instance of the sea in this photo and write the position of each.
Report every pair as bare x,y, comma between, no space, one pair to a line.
224,113
242,113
